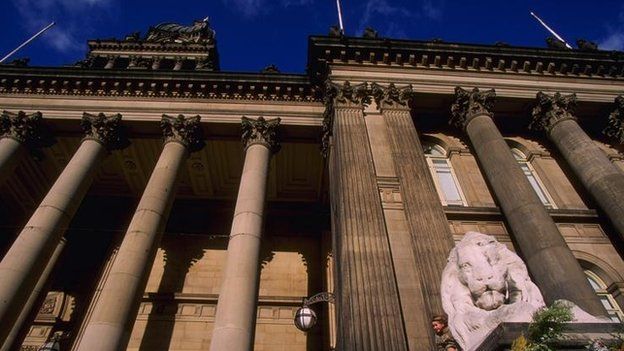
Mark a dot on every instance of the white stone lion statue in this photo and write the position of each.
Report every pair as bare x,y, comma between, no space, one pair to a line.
484,283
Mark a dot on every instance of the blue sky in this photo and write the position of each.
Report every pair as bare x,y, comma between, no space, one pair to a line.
252,34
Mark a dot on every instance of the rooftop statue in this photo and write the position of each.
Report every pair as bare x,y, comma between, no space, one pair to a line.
200,33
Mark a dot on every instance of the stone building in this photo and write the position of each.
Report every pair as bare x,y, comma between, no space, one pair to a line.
132,216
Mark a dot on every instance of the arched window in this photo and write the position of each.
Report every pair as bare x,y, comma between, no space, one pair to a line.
443,176
614,311
536,183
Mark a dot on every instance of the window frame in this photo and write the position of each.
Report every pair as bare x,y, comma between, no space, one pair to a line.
522,160
601,291
433,170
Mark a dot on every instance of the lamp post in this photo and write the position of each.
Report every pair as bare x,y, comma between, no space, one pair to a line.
305,318
53,344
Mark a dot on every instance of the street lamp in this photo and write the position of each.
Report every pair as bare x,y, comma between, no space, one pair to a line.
53,344
305,317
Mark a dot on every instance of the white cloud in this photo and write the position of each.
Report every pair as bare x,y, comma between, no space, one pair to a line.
382,8
615,41
69,15
251,8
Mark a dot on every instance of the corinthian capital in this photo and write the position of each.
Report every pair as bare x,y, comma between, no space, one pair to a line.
550,110
186,131
28,129
391,96
469,104
104,129
261,131
615,125
346,93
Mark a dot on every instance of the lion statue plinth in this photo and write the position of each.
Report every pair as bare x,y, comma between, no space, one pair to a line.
484,284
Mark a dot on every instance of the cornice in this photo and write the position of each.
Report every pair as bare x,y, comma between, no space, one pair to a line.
463,57
107,45
188,85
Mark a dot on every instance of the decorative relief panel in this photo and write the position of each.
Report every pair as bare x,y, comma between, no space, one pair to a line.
582,232
390,193
496,229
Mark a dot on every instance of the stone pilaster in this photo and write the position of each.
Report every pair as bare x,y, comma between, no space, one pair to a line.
615,125
114,314
235,320
18,132
22,266
601,178
430,234
540,243
368,303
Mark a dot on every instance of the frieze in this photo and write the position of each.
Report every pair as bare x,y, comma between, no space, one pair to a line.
550,110
615,124
186,131
261,131
469,104
104,129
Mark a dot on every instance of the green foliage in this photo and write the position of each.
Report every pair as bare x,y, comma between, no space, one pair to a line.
546,328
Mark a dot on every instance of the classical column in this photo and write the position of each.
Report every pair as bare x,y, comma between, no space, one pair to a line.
615,126
601,178
548,257
110,326
238,298
368,302
429,228
32,299
23,264
19,132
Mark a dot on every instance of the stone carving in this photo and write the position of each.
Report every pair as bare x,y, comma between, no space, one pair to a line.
186,131
198,32
345,94
49,304
615,125
28,129
391,95
554,43
469,104
335,32
550,110
270,69
18,62
261,131
586,45
370,33
104,129
484,283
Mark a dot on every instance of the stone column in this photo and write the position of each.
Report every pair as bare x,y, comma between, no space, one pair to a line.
601,178
236,309
615,126
110,326
431,237
549,259
19,132
33,298
367,298
23,264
